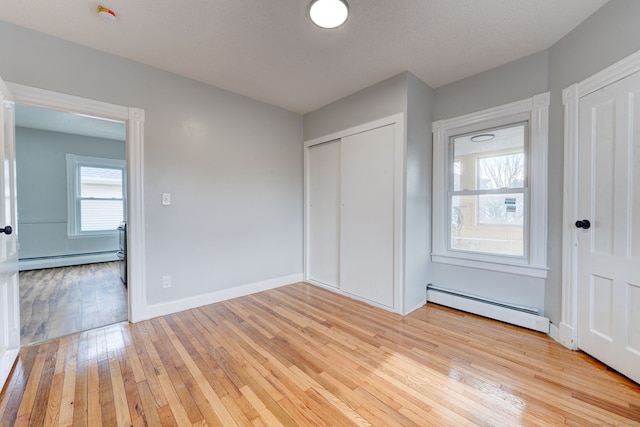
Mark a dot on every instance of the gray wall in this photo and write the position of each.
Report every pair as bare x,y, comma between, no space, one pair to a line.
508,83
380,100
418,267
609,35
41,170
232,164
603,39
403,93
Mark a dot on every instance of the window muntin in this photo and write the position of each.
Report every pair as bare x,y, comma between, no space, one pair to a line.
97,195
488,191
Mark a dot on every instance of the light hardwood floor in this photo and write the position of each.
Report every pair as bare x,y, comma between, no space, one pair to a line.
59,301
300,355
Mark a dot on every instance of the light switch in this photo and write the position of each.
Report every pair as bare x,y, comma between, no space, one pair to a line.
166,199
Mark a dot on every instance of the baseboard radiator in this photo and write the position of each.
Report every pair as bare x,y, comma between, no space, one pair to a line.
508,313
65,260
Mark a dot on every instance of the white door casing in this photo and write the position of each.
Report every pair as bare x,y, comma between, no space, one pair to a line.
134,118
9,292
601,264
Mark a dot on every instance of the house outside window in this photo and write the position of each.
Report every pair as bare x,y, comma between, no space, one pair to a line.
490,188
96,195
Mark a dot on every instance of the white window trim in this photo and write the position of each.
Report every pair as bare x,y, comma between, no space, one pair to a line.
74,162
535,110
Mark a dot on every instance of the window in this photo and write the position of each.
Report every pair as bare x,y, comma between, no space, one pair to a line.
96,195
490,183
487,192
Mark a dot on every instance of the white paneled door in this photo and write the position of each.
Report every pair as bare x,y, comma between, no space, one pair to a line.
609,226
9,294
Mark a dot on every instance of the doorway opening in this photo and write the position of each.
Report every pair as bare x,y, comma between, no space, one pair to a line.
71,179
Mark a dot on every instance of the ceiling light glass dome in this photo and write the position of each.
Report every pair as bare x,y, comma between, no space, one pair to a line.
328,13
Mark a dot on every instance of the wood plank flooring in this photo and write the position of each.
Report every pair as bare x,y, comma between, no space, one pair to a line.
59,301
301,355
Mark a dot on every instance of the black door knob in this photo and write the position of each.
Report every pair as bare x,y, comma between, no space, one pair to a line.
585,224
6,230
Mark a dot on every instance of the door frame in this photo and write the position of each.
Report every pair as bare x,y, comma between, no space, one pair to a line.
134,119
568,328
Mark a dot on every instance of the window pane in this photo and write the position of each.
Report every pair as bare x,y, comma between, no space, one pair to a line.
501,209
456,176
105,183
503,171
502,238
100,215
490,160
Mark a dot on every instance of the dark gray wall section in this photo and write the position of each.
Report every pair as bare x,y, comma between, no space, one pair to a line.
41,170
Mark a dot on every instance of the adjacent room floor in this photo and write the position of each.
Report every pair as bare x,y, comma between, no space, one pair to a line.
55,302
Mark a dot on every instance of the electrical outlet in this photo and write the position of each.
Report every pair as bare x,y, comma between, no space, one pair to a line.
166,199
166,282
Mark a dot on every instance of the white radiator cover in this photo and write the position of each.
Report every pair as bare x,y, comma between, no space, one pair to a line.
515,315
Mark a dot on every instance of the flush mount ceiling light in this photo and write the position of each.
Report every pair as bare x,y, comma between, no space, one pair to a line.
329,13
483,137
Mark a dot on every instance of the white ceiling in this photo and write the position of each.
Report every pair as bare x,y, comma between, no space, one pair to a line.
270,51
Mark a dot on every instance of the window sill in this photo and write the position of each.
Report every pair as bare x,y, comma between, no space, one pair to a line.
92,235
539,272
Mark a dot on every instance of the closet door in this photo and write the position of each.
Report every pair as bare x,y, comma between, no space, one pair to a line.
367,215
323,198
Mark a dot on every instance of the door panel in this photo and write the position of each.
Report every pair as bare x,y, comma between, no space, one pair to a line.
608,252
9,298
367,218
324,213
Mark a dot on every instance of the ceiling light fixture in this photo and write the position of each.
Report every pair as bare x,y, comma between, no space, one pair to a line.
106,13
483,137
329,13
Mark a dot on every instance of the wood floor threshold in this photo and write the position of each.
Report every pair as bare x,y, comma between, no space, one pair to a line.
301,355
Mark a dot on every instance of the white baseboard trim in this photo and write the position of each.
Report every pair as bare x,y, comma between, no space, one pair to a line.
65,261
566,336
507,315
162,309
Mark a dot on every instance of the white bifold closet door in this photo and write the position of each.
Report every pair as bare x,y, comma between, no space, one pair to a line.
324,213
366,219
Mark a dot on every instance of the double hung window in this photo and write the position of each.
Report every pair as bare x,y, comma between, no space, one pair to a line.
490,179
488,191
96,195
